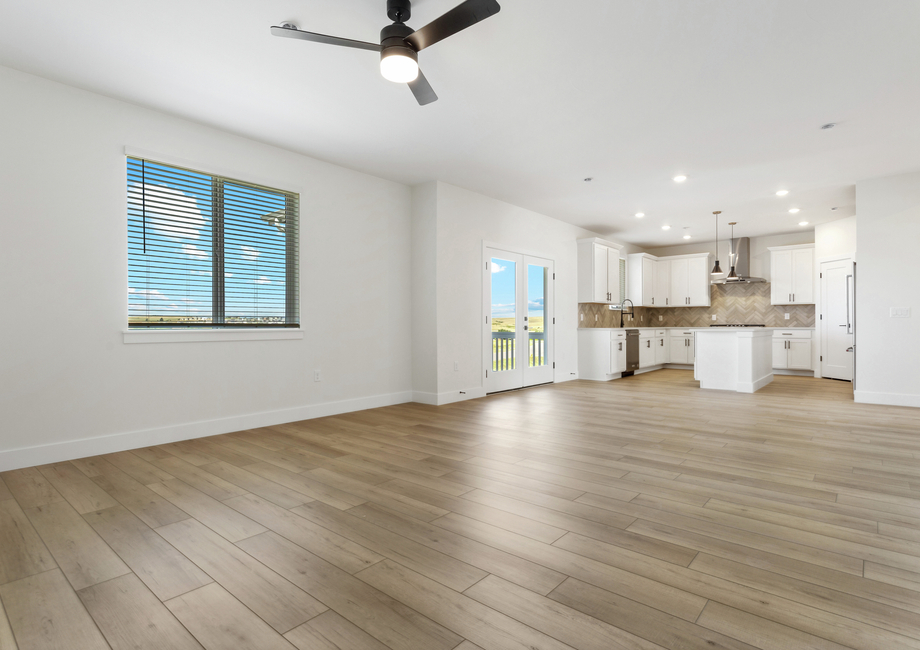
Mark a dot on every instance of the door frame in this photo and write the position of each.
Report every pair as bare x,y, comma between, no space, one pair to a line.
818,352
549,325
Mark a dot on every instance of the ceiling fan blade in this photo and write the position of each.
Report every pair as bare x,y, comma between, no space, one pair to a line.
293,32
457,19
422,90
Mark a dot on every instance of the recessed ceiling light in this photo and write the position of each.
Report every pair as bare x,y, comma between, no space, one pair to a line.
782,193
794,211
680,179
666,227
803,223
829,125
686,236
833,209
639,215
588,180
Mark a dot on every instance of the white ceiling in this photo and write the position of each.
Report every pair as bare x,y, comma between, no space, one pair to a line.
533,100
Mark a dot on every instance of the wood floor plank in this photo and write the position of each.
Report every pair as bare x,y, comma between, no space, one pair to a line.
249,482
165,571
550,617
377,494
46,614
219,621
84,495
215,515
275,600
429,562
4,491
522,572
203,481
30,488
131,617
146,504
137,468
7,640
22,551
329,631
327,544
478,623
306,485
83,556
388,620
759,632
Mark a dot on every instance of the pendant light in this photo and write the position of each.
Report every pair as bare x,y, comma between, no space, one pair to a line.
731,253
717,270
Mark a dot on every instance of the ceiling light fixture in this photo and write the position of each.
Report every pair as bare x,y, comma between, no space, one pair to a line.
686,236
731,253
717,270
794,211
639,215
666,227
399,64
680,179
803,223
782,193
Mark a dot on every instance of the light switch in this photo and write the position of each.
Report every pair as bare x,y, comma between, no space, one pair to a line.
713,317
787,316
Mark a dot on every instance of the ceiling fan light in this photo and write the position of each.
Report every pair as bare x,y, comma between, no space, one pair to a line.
399,64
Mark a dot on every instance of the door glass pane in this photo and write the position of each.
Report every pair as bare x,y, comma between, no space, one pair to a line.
504,308
536,310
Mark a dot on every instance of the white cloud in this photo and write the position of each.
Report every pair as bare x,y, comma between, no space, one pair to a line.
263,280
194,251
228,275
498,268
170,212
250,254
148,293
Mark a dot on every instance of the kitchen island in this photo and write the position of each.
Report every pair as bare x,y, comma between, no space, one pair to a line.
738,359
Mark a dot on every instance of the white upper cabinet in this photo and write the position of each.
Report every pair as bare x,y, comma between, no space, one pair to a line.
678,281
792,270
598,271
663,284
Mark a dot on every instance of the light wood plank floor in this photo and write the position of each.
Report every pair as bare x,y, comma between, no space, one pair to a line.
642,513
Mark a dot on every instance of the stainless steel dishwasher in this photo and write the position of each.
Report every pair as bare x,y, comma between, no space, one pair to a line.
632,350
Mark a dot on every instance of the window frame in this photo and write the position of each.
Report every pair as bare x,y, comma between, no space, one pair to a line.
216,330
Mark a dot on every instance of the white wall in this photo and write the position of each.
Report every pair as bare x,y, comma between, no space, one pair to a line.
888,349
466,219
760,255
66,375
425,292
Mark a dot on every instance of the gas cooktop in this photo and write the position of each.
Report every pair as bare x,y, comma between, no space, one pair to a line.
738,325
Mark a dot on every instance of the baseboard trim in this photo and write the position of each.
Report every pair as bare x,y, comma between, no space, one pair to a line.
460,396
793,372
886,399
71,449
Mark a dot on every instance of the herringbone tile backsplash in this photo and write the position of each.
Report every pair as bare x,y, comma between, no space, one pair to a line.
731,303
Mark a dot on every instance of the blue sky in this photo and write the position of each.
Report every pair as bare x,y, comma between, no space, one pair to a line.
503,289
178,234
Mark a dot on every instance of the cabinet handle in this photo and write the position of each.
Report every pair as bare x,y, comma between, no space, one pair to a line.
662,342
621,347
793,297
648,343
666,301
653,301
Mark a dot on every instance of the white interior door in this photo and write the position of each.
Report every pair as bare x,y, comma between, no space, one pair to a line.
837,324
518,335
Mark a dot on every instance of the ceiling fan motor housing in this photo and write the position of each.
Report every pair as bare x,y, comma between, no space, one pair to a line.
399,11
393,41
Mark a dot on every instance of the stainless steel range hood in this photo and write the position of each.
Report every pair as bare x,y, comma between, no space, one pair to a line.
741,259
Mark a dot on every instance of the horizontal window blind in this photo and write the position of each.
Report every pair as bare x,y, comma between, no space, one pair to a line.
208,251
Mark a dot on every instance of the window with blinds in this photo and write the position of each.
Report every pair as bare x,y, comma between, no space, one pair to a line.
210,252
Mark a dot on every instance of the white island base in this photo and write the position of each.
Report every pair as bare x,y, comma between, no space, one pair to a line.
738,359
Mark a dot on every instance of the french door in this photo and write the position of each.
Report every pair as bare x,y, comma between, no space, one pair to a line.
518,308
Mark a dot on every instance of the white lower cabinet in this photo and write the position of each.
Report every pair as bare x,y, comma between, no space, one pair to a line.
601,354
646,351
792,350
618,352
682,350
661,349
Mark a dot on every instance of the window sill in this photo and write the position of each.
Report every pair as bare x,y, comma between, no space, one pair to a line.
202,336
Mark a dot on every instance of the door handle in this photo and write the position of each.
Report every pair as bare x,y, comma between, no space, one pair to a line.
850,349
525,328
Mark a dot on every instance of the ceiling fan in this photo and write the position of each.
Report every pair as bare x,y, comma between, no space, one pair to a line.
400,44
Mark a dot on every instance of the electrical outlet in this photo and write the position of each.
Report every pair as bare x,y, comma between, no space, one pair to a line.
641,319
317,376
713,317
787,316
582,316
595,318
456,366
900,312
660,317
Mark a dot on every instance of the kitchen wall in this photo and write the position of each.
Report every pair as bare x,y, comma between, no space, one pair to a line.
731,303
887,272
70,387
